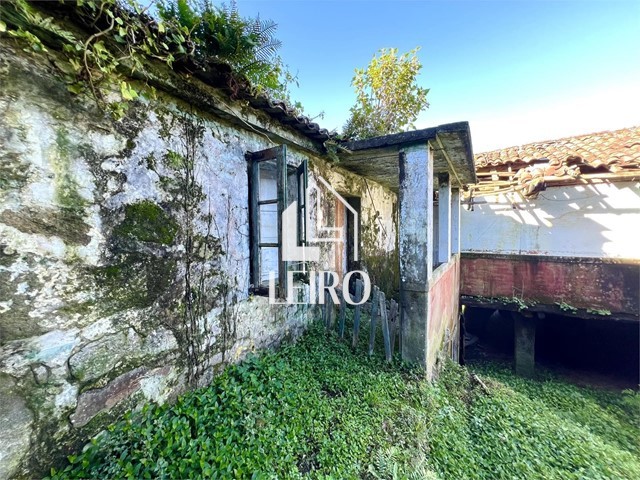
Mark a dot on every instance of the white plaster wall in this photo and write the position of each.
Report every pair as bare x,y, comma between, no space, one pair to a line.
596,220
66,337
378,251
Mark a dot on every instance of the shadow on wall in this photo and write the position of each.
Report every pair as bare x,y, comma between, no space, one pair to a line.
595,220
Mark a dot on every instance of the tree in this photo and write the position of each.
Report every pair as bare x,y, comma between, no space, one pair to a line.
388,96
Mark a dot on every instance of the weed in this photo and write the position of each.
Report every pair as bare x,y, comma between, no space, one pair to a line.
316,409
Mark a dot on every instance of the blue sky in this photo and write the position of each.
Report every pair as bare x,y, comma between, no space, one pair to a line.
518,71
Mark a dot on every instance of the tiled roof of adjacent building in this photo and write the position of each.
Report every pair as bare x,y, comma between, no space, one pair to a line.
611,149
528,168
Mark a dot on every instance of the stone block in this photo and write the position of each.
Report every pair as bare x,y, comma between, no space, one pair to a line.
92,402
16,422
100,357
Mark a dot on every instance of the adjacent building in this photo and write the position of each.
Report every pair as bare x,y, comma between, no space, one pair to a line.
552,227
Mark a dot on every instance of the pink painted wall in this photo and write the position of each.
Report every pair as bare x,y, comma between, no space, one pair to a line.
443,326
579,282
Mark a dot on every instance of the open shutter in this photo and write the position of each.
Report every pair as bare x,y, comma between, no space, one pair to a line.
267,201
301,177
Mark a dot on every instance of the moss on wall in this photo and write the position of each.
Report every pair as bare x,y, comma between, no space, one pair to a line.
147,222
142,267
67,192
384,271
15,322
14,173
117,264
135,280
65,224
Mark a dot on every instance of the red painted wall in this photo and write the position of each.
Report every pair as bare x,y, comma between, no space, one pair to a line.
580,282
444,301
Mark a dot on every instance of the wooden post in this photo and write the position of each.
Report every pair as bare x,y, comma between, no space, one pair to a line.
374,314
326,308
343,313
324,304
400,328
393,323
385,326
331,308
356,315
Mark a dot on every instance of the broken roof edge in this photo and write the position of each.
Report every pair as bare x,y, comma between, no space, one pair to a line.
453,140
411,136
606,156
214,73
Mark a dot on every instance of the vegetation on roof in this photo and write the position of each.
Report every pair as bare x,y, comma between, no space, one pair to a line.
316,409
104,42
248,45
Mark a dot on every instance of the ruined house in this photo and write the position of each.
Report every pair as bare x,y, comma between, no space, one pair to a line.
550,228
136,255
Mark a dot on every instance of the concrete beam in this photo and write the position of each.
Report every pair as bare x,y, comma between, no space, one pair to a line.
416,248
525,344
455,220
444,218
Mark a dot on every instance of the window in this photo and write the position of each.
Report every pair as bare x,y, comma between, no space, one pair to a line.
272,187
301,179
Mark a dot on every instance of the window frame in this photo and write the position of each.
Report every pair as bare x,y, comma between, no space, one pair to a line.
302,173
279,154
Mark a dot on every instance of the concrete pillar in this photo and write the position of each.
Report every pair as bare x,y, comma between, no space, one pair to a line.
444,218
455,220
525,344
416,248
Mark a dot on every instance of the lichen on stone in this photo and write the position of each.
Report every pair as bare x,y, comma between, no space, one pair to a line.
68,196
147,222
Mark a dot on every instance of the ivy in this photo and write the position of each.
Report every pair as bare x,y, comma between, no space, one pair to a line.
565,307
315,409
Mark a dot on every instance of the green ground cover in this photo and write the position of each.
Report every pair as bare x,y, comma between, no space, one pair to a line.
317,409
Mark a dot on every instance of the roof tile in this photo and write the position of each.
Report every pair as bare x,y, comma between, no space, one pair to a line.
619,148
612,152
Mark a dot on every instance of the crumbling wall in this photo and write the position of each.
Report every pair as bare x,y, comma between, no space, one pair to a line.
124,259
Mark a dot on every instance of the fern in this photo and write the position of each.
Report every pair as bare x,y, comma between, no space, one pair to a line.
249,45
388,465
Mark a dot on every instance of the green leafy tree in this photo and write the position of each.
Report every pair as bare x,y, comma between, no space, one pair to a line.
388,96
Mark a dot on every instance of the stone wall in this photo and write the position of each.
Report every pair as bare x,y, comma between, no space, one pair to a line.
124,254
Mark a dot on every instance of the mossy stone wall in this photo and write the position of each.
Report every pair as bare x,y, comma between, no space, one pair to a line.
124,257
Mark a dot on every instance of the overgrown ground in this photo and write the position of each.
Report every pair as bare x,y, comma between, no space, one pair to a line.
315,408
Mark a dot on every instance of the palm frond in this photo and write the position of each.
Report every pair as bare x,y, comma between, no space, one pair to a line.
266,51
